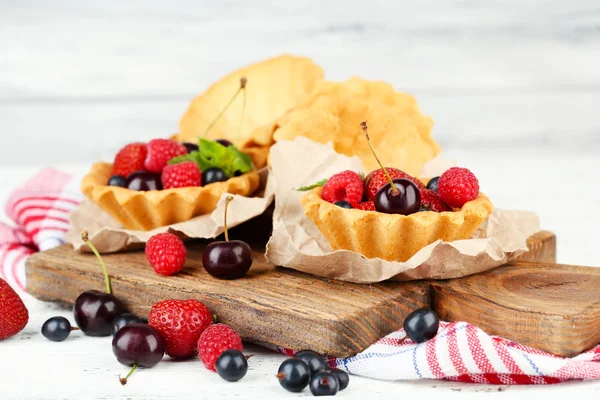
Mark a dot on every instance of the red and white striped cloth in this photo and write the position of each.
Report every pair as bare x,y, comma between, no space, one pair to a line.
459,352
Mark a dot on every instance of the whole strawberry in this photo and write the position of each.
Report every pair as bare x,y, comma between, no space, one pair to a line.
166,253
181,175
431,201
180,323
377,179
458,186
13,313
129,159
344,186
214,341
160,152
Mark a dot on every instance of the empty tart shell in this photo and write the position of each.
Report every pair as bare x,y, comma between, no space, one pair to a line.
392,237
155,208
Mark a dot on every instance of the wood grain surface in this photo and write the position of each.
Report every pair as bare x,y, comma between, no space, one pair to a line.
271,306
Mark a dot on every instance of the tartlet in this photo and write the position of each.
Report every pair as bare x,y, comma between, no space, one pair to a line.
392,237
147,210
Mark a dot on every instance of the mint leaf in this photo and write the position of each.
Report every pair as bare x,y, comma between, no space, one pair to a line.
314,185
213,154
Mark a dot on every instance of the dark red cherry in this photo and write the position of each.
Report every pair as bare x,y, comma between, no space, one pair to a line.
405,200
227,260
190,147
143,181
95,311
224,142
138,345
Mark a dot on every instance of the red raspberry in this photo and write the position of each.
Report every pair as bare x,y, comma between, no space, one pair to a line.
367,206
458,186
180,323
166,253
129,160
160,152
346,186
13,313
432,201
216,339
377,179
181,175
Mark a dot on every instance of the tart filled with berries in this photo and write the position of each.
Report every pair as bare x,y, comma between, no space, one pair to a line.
390,214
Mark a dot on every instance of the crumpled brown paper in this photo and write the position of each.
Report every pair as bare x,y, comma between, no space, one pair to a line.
298,244
109,236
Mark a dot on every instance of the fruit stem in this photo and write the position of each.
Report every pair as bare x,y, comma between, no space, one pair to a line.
243,82
74,328
229,198
363,125
214,121
280,375
124,380
86,239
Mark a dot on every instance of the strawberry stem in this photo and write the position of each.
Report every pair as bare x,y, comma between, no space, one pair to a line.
363,125
229,198
214,121
86,239
124,380
243,82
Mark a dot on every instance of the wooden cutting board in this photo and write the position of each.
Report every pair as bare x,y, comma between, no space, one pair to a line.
533,301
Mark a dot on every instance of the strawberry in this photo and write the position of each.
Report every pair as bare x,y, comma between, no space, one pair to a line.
181,175
166,253
431,201
160,152
180,323
214,341
377,179
457,186
13,313
367,206
129,160
343,186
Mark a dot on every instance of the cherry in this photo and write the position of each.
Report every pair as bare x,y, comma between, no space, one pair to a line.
324,384
57,329
143,181
138,345
228,259
421,325
117,180
342,377
191,147
224,142
232,365
123,320
293,375
315,362
399,196
433,184
242,88
95,311
212,175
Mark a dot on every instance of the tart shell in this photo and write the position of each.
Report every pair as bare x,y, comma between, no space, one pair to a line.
392,237
145,211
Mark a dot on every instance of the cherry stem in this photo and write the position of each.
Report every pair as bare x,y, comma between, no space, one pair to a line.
74,328
86,239
363,125
243,82
404,339
242,86
227,201
280,375
124,380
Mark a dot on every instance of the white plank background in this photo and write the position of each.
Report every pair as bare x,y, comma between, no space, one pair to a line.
514,88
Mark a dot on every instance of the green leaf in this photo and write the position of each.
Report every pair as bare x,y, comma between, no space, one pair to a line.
314,185
213,154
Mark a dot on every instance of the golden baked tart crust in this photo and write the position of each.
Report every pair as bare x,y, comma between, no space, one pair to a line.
392,237
152,209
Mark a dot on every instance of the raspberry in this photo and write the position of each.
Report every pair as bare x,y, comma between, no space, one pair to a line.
214,341
367,206
457,186
431,201
160,152
377,179
344,186
166,253
181,175
129,159
180,323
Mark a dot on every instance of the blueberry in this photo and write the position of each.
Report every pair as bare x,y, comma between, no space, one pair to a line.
433,183
421,325
123,320
191,147
212,175
232,365
315,362
343,204
293,375
324,384
342,377
224,142
57,329
117,180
